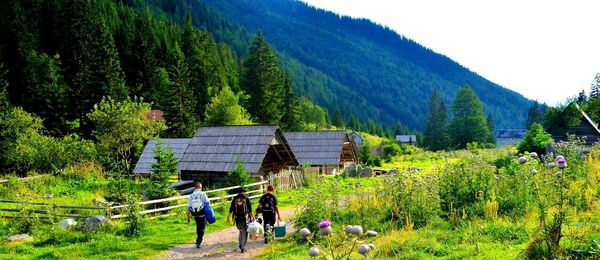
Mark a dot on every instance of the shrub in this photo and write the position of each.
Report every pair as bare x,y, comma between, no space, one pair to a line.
164,166
135,220
239,176
536,140
117,189
415,200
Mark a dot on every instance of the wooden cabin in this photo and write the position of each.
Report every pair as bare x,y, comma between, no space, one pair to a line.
144,164
326,151
214,151
586,128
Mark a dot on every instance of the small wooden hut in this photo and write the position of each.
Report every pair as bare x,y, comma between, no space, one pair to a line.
144,164
327,151
214,151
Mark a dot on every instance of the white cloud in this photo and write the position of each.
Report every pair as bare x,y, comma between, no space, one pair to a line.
546,50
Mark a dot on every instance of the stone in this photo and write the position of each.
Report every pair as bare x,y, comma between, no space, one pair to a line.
20,238
393,171
95,222
366,172
67,223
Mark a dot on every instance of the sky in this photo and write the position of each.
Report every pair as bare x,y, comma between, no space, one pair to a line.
546,50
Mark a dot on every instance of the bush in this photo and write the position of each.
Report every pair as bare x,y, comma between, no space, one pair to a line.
135,220
238,177
536,140
165,165
415,200
117,189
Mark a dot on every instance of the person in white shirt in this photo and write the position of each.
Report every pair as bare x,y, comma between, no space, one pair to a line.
196,204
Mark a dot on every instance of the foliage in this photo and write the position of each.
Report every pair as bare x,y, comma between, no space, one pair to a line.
164,166
560,118
292,119
321,202
535,114
535,140
468,123
121,128
135,221
117,189
365,153
436,137
415,201
239,176
313,115
224,109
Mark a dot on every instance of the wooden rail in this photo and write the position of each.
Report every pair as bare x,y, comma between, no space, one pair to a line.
25,178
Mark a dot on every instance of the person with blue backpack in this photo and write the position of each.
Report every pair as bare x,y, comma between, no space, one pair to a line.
198,204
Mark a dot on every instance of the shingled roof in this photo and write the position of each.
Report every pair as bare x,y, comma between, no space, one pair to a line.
318,147
144,164
216,149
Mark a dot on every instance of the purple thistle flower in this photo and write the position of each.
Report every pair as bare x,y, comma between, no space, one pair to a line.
324,223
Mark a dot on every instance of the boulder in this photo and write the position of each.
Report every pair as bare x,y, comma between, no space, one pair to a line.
366,172
67,223
20,238
95,222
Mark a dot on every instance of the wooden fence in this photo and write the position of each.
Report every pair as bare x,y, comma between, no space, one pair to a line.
292,178
56,211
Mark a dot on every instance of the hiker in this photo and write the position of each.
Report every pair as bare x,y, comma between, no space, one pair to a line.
242,211
268,206
196,203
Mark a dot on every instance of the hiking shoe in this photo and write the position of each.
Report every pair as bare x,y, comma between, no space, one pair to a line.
242,250
197,245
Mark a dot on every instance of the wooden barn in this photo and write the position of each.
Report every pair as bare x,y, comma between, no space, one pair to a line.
586,128
327,151
144,164
214,151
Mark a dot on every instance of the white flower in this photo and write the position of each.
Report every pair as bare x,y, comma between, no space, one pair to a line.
304,232
363,249
313,251
357,230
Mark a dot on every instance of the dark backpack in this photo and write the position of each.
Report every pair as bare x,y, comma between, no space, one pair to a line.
266,203
240,209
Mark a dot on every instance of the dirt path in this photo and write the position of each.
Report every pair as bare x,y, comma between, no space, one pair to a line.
222,245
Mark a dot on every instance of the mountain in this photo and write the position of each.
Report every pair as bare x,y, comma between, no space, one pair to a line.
349,64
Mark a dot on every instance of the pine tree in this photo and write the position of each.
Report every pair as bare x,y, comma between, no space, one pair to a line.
292,119
164,166
262,82
224,109
4,103
535,114
47,94
581,98
469,122
436,137
595,87
180,103
353,123
338,120
492,128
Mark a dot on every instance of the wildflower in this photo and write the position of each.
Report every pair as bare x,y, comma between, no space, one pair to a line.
533,171
314,251
363,249
349,228
357,230
561,162
304,232
372,233
326,231
522,160
551,165
324,223
533,155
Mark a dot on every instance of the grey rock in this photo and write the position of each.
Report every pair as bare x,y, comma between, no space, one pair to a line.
366,172
67,223
20,238
372,233
95,222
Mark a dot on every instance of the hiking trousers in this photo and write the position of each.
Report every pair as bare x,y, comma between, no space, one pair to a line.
268,222
200,226
242,226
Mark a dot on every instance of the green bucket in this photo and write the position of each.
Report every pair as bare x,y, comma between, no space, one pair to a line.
279,229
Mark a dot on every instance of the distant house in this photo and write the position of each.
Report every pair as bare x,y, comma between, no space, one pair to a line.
506,137
406,139
358,140
586,128
327,151
213,152
144,164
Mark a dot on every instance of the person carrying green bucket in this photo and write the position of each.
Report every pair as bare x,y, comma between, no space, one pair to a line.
267,204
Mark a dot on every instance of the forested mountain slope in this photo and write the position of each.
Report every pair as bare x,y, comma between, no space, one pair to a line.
382,75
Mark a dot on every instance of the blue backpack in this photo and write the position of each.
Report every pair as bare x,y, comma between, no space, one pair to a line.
209,213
